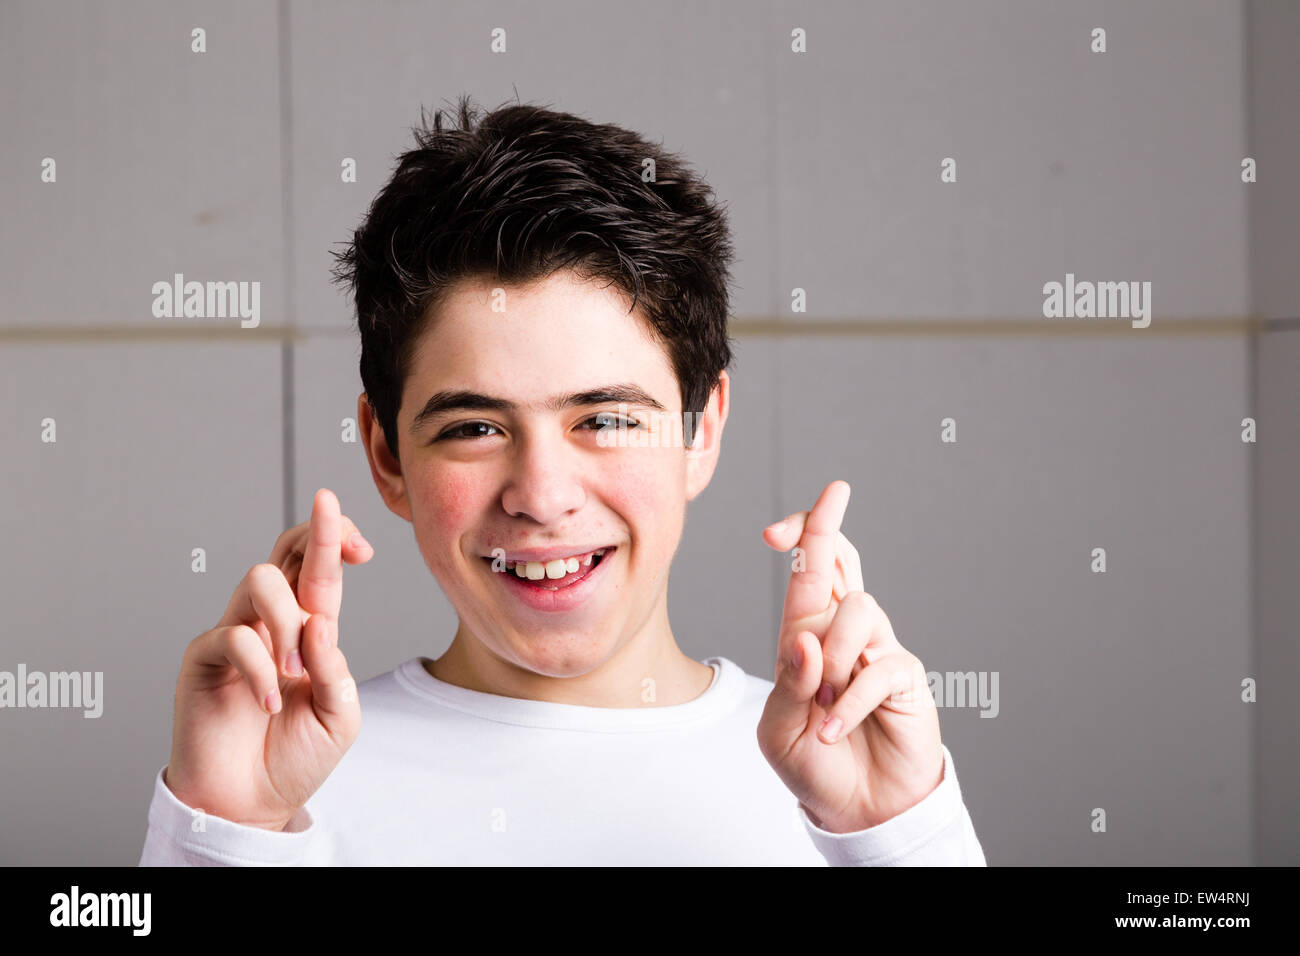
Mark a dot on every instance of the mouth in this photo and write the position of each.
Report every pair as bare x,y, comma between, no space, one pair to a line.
560,584
555,574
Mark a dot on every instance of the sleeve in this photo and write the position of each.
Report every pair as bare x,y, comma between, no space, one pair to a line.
936,832
180,835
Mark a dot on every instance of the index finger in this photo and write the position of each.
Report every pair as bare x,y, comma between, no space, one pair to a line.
848,563
810,590
320,581
290,547
293,542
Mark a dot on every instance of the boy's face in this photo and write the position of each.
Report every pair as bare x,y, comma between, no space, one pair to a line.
542,476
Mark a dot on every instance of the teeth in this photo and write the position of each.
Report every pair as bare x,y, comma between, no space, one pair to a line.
558,568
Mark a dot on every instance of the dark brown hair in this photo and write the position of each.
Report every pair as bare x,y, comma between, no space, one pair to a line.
516,195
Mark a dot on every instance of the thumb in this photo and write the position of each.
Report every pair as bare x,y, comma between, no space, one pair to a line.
789,706
785,534
333,691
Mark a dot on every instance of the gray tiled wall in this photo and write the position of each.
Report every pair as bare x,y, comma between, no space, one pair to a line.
1118,690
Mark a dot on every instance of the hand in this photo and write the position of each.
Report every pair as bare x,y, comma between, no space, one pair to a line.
255,735
887,755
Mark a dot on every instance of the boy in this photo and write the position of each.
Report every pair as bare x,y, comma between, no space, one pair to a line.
544,355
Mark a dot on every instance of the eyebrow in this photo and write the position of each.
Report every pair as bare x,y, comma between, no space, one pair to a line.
460,400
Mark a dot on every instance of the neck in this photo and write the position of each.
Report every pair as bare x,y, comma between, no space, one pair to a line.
648,671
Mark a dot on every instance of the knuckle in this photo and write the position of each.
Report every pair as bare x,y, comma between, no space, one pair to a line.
814,578
832,661
316,580
907,678
195,647
812,532
247,634
263,574
851,703
230,637
859,599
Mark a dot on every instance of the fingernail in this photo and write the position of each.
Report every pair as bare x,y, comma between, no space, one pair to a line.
293,664
796,659
356,541
831,729
272,702
825,695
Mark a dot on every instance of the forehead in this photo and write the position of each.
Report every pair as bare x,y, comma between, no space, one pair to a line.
558,333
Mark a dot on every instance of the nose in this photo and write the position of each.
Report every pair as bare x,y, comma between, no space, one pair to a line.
545,481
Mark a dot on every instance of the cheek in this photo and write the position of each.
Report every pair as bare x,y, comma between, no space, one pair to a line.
445,503
449,496
649,494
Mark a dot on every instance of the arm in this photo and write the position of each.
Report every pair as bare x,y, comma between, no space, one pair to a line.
265,706
936,832
850,726
180,835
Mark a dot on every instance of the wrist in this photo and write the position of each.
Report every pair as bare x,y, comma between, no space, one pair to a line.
865,817
199,805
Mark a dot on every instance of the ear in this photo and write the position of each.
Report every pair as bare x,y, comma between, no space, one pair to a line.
385,469
702,455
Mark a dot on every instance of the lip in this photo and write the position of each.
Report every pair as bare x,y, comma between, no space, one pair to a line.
562,599
549,554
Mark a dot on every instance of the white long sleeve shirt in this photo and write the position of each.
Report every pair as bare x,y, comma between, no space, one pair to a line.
443,775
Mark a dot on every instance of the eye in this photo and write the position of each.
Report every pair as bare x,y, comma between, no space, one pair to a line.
460,431
610,420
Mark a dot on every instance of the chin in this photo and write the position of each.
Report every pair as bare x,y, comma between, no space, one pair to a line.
560,655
